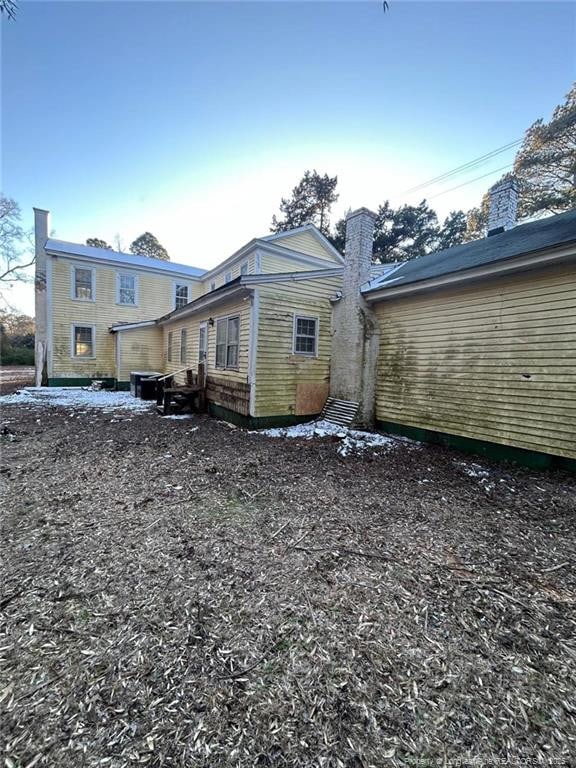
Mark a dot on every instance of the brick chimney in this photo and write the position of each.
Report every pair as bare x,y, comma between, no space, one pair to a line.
41,233
355,328
503,206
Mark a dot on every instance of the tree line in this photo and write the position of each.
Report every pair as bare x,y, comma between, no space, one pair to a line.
544,167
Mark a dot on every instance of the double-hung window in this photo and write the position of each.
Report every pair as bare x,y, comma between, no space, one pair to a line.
227,337
83,283
126,289
83,341
180,295
228,277
305,335
244,268
183,342
202,342
170,346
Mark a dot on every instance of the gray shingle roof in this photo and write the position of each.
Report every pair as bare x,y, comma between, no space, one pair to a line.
521,240
125,259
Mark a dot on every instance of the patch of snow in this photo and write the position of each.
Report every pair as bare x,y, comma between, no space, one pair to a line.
473,470
76,397
352,440
179,416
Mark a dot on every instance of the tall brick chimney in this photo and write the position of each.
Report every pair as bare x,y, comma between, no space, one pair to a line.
355,329
503,206
41,233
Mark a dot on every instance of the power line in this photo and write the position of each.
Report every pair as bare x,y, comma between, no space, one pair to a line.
471,181
465,167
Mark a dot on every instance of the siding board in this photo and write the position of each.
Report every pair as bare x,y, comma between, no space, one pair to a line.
288,384
453,361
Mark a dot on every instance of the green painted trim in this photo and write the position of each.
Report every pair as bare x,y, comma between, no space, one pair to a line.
521,456
123,386
255,422
84,382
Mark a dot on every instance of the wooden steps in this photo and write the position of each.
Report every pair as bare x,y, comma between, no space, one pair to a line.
340,412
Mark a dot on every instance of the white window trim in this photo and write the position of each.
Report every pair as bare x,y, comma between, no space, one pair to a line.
181,284
226,367
295,325
245,265
213,285
169,346
120,274
228,276
74,356
183,346
205,327
73,296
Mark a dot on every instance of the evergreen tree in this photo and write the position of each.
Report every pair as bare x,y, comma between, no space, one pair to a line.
453,230
477,220
545,166
95,242
311,201
148,245
405,233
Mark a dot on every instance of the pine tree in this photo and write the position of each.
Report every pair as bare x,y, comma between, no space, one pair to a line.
405,233
95,242
311,201
545,166
147,245
453,230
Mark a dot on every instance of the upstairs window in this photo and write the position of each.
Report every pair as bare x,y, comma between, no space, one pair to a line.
244,268
183,343
227,337
83,283
213,285
228,278
180,295
305,335
126,289
82,341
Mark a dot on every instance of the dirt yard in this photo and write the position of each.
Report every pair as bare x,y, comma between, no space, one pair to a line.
14,377
182,593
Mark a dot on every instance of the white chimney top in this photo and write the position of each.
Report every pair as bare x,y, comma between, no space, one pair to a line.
503,206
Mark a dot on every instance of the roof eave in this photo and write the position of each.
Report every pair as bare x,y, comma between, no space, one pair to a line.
219,296
524,263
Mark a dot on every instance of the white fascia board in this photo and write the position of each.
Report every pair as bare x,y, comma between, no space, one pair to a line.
242,252
263,246
131,326
253,349
282,277
118,264
524,263
376,281
313,229
209,300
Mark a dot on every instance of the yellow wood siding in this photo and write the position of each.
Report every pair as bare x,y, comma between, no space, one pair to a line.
192,324
220,277
305,242
278,370
155,298
140,349
279,264
493,361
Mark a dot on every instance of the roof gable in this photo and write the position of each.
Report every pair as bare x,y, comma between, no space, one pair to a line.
309,240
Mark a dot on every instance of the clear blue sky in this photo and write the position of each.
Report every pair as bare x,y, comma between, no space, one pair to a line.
191,119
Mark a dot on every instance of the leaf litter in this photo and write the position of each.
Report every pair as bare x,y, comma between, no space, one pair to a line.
182,594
